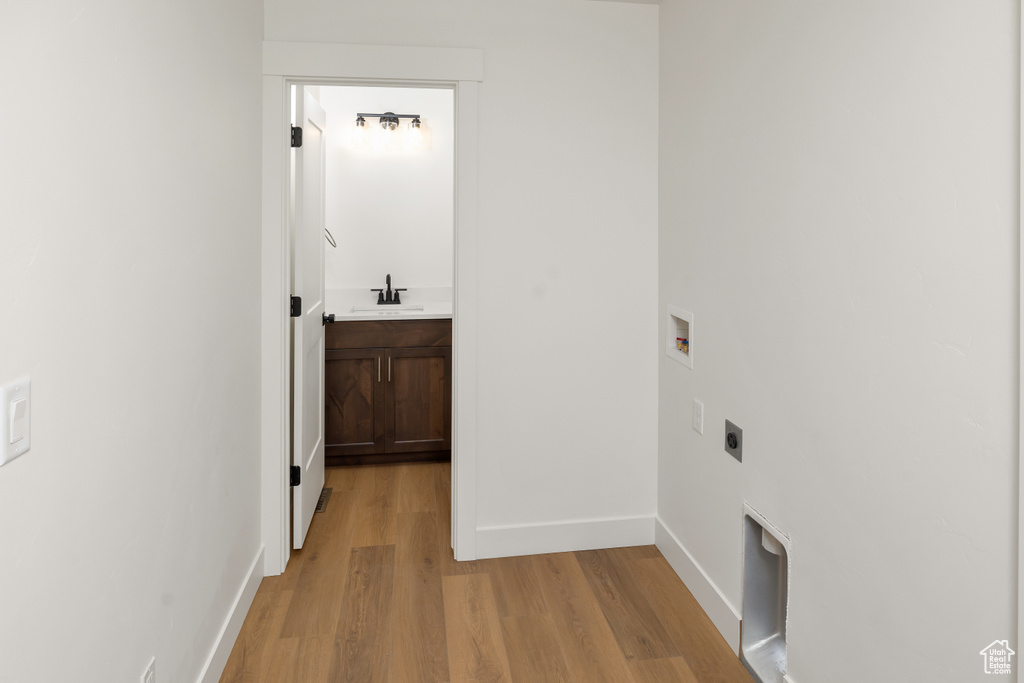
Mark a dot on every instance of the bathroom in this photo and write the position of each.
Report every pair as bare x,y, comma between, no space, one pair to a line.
388,272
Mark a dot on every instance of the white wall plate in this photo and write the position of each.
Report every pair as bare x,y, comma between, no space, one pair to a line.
15,419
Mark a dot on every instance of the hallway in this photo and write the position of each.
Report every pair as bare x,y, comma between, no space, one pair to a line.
377,596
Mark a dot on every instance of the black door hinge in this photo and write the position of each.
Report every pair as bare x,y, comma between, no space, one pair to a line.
296,136
296,475
296,310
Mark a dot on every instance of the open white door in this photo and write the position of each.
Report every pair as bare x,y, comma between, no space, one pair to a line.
308,327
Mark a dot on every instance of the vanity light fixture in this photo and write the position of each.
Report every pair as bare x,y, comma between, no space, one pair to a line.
388,120
388,136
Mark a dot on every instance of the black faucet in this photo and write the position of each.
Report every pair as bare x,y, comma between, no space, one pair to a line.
383,300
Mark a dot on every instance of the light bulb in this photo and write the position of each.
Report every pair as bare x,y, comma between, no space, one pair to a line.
389,128
359,136
415,134
389,122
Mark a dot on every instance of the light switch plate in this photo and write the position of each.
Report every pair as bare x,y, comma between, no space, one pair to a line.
698,416
15,403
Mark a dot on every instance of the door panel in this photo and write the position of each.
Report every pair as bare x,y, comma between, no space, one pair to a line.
308,328
418,405
354,410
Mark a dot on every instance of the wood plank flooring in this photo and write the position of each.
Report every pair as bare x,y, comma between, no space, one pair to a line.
376,596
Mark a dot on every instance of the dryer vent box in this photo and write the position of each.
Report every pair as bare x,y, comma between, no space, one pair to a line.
765,599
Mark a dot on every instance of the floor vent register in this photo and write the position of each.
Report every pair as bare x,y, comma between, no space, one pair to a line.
325,496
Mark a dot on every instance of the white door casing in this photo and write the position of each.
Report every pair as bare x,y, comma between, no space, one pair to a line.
284,64
308,328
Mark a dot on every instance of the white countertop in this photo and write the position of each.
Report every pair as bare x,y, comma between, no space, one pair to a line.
417,304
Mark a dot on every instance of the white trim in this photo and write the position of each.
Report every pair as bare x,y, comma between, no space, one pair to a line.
1020,351
377,62
464,365
288,63
275,337
232,626
723,614
558,537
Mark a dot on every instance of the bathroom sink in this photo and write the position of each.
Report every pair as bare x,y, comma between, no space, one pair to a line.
393,308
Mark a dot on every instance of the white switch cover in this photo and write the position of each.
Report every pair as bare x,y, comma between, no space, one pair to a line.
15,419
698,416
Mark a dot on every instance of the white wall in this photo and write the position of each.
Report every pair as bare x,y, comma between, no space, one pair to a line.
839,210
129,266
390,209
567,371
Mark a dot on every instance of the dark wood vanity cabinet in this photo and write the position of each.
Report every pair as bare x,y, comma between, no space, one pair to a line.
388,390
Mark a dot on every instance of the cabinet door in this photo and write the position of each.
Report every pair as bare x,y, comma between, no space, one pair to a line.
419,399
354,401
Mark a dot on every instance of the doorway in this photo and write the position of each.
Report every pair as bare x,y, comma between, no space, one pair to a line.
301,64
389,272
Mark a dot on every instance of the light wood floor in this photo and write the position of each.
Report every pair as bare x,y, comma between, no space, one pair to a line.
375,595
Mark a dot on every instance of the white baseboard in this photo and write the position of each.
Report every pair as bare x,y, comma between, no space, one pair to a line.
558,537
725,617
218,658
